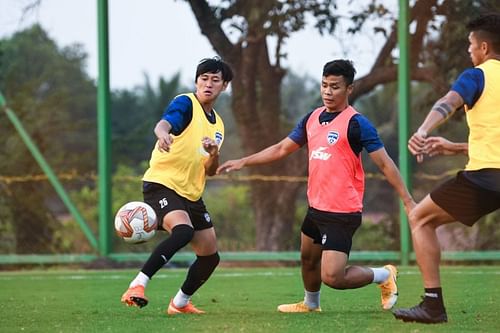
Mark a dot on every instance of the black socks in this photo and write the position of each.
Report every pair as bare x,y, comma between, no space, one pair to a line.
434,299
199,272
181,235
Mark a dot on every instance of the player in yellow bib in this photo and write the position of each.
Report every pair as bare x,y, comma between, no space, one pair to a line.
189,135
475,191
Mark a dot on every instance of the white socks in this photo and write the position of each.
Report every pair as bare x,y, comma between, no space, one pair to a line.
141,279
311,299
380,274
181,299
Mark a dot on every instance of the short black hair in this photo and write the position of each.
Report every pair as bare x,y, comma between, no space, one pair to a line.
487,28
214,65
340,67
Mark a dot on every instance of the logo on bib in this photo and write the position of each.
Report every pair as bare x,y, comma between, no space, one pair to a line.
333,137
320,154
218,138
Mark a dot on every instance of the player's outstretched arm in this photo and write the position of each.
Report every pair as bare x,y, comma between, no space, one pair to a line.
270,154
391,173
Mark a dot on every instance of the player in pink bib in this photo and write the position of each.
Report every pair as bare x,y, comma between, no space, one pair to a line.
335,135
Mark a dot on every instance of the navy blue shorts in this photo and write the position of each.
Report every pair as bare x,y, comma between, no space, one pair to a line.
164,200
334,231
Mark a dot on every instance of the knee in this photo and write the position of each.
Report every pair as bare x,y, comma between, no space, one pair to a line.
419,221
213,259
416,219
335,281
412,219
183,233
210,262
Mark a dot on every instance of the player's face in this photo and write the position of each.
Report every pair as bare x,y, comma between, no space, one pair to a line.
476,49
209,86
335,92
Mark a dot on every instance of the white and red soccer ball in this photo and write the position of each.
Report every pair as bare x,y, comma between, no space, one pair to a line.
136,222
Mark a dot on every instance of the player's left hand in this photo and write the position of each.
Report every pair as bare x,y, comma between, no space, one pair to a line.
416,145
436,145
210,146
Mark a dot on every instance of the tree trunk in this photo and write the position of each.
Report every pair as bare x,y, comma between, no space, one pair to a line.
256,105
274,207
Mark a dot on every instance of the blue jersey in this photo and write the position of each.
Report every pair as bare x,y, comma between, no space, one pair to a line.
180,112
360,133
469,85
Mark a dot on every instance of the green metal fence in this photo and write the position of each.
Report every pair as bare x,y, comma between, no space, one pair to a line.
102,245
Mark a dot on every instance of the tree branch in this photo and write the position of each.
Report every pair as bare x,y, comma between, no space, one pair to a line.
210,26
385,75
422,13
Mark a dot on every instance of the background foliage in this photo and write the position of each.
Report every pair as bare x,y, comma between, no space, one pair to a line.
48,88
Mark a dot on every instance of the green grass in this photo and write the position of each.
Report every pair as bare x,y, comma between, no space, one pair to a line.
236,300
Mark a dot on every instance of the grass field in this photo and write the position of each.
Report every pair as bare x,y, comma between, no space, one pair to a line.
236,300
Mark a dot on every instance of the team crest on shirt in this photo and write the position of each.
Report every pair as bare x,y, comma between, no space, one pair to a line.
333,137
218,138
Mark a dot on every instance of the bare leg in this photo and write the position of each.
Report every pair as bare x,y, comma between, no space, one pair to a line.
424,219
310,256
204,242
335,274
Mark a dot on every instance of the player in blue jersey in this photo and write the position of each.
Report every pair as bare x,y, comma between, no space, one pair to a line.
189,135
475,191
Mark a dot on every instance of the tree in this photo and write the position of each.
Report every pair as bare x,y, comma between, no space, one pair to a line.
134,114
259,75
54,98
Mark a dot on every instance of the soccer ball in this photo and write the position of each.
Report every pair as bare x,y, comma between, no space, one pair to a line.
136,222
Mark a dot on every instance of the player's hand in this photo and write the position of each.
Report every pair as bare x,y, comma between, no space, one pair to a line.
437,145
164,142
231,165
416,145
210,146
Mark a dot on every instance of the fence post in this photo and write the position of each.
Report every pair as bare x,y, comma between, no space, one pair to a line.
103,122
403,126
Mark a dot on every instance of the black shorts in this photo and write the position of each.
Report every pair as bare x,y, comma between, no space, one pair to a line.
464,200
164,200
333,231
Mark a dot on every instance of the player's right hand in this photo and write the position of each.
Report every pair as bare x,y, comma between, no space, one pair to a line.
164,142
231,165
